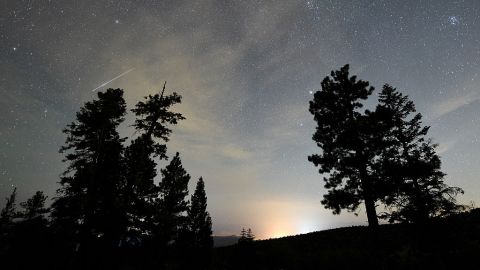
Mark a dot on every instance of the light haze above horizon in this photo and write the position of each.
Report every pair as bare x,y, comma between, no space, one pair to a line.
246,71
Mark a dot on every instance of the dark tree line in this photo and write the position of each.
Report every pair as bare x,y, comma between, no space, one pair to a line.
108,203
377,157
246,236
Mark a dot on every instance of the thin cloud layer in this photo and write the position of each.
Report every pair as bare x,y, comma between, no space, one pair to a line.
246,71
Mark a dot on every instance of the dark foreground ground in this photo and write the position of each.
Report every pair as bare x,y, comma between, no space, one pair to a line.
450,243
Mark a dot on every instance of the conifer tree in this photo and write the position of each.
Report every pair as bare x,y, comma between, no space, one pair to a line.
243,235
345,136
171,205
8,233
250,236
246,236
199,218
32,235
25,240
89,206
34,207
9,211
154,114
152,119
410,163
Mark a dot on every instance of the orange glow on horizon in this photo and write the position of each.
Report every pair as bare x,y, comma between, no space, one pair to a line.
276,218
279,234
279,229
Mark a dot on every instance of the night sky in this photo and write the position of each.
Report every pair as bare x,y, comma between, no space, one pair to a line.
246,71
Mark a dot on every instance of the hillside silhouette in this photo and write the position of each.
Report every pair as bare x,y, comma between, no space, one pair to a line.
223,241
443,243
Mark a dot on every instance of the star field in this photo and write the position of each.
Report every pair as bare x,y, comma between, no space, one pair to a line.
246,71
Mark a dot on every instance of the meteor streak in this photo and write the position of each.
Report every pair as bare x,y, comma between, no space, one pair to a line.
105,83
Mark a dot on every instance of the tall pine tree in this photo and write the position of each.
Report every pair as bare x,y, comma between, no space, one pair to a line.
152,119
200,222
171,204
410,163
89,207
345,136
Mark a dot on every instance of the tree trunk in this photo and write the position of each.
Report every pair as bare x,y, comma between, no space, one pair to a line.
421,215
371,213
368,198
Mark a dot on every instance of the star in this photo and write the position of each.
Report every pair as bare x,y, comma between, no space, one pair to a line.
453,20
117,21
309,4
14,49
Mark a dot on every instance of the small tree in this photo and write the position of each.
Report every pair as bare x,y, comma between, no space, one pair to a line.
34,207
32,235
9,211
250,236
199,218
246,236
8,232
243,235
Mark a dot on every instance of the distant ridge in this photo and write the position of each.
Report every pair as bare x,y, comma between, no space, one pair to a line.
442,243
223,241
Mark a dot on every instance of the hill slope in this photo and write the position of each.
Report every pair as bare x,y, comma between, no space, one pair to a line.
448,243
223,241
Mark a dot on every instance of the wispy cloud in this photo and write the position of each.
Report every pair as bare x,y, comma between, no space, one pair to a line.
452,104
238,145
235,152
445,146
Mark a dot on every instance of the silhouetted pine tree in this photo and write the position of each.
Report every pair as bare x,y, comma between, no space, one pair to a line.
153,116
32,236
27,235
8,232
250,236
195,239
243,235
410,163
245,255
200,223
90,207
34,207
140,190
171,205
9,211
246,236
345,136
